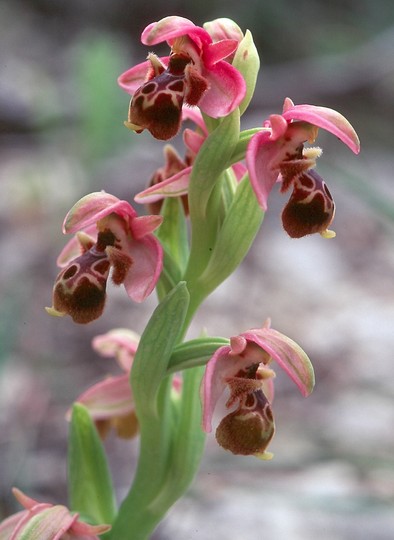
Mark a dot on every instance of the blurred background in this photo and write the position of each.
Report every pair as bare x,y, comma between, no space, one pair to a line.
62,136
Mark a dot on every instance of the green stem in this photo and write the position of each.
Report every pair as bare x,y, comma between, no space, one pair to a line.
195,352
136,518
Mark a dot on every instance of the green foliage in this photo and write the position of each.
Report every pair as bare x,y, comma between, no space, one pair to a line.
154,351
90,484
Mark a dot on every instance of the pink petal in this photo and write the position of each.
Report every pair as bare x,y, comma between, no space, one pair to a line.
174,186
260,153
147,256
288,354
218,51
193,140
135,77
26,501
287,104
143,225
169,28
239,170
73,249
238,345
327,119
194,114
278,126
222,365
83,531
227,89
109,398
8,525
223,28
94,207
45,521
50,523
213,385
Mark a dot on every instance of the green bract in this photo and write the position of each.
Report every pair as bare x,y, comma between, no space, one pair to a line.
90,484
247,62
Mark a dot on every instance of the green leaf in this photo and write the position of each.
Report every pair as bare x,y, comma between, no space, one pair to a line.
236,235
154,350
90,484
247,62
187,443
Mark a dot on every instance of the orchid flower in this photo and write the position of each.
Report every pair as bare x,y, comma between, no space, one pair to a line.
173,179
46,521
169,180
244,367
195,73
110,402
110,235
277,152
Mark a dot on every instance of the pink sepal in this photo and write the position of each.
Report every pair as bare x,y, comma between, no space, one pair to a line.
223,28
259,155
193,140
172,27
174,186
219,50
194,114
147,256
227,89
83,531
51,522
288,355
220,366
92,208
325,118
143,225
108,398
8,525
239,170
278,126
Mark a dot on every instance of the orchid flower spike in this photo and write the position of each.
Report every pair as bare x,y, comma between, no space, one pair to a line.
196,72
110,236
47,522
278,153
244,367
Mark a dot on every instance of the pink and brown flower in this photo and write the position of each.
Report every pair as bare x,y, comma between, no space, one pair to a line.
109,236
244,368
195,73
110,402
47,522
278,153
